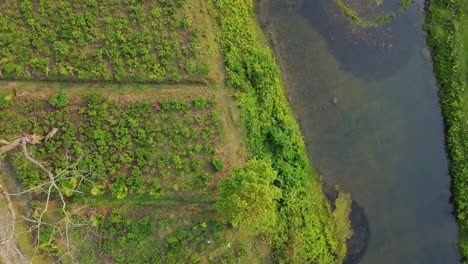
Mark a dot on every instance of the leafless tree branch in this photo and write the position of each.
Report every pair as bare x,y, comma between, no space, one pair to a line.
61,228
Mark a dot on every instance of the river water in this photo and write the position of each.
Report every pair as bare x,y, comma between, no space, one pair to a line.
372,124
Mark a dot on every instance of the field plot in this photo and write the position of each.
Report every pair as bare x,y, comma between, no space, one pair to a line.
147,159
129,146
170,234
145,41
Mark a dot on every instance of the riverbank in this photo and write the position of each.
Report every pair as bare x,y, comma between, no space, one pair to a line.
306,230
445,22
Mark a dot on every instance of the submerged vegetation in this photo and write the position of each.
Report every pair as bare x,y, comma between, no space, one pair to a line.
405,4
351,14
363,14
448,38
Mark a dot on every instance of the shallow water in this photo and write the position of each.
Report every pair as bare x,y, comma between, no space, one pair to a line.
383,139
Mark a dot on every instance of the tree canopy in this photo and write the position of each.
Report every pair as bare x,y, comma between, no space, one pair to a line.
248,197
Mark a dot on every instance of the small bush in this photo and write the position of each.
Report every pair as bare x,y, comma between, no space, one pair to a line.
3,101
59,100
218,164
199,103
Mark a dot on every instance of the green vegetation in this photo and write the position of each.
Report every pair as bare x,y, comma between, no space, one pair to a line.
154,238
135,233
23,238
405,4
128,164
153,174
341,215
351,14
305,232
152,148
143,41
448,39
385,18
366,18
249,198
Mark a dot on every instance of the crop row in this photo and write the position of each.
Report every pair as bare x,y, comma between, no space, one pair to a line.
154,148
148,41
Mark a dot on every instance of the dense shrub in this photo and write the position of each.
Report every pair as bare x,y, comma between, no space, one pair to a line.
443,25
218,164
249,198
305,229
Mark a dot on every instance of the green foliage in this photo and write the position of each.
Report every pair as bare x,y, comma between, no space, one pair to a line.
150,149
218,164
59,100
405,4
343,224
305,229
121,232
200,103
351,14
248,197
69,186
101,41
46,239
385,19
4,102
442,24
97,190
129,237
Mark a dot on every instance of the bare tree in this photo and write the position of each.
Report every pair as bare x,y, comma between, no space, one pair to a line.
54,193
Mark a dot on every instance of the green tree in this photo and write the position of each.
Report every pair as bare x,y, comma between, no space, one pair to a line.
248,197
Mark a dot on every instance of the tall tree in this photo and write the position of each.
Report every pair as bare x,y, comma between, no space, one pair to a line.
248,197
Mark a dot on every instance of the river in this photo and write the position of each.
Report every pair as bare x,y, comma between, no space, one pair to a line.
372,124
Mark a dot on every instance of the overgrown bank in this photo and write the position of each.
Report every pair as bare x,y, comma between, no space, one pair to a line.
305,231
448,39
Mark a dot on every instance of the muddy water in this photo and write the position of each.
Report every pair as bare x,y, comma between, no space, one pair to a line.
372,124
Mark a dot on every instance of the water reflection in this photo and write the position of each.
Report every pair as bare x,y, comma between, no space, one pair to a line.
382,140
374,52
